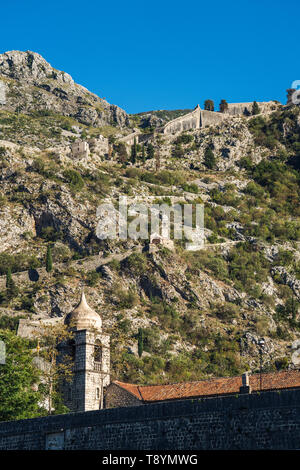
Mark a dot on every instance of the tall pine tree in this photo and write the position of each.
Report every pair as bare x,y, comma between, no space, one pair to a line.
133,152
140,342
223,106
255,108
9,279
150,151
209,158
11,288
209,105
49,259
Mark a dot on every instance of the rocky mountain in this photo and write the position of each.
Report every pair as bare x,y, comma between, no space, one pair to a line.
33,86
202,313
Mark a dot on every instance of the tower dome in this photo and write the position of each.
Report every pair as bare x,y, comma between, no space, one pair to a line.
83,317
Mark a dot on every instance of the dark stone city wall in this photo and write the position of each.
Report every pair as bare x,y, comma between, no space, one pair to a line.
269,420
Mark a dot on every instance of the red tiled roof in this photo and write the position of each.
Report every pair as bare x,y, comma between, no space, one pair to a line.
212,387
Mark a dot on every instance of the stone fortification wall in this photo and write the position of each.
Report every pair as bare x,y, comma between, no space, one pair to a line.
270,420
184,123
235,109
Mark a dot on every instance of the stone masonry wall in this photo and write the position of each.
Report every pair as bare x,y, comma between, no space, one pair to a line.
211,118
129,139
184,123
235,109
269,420
116,396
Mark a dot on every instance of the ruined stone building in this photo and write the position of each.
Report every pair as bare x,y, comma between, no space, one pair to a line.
82,149
99,146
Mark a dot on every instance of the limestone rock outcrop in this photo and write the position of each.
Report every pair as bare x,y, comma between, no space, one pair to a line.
33,85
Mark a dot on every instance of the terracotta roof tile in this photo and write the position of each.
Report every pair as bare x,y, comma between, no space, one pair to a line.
131,388
211,387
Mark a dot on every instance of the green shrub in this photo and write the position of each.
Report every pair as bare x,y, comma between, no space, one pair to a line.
226,311
136,263
74,179
282,363
254,189
10,323
17,262
191,188
184,139
92,278
126,299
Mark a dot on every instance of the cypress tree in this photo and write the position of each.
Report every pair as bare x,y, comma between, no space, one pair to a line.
10,285
209,158
133,152
9,279
150,151
255,108
209,105
140,342
223,106
143,153
49,259
122,152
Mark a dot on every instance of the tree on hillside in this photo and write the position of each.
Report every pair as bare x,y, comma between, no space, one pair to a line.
120,149
74,179
18,379
150,151
157,161
223,106
49,259
140,342
57,368
9,279
209,158
11,288
133,152
209,105
255,108
143,154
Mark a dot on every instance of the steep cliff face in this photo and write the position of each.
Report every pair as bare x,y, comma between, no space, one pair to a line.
33,85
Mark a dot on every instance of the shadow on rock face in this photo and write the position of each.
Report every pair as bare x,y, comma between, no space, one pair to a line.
33,275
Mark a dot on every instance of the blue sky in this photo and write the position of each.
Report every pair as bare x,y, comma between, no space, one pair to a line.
163,54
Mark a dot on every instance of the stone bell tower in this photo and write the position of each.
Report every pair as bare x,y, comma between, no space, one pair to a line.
90,349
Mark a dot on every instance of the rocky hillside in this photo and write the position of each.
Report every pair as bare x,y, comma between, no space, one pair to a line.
199,313
44,98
